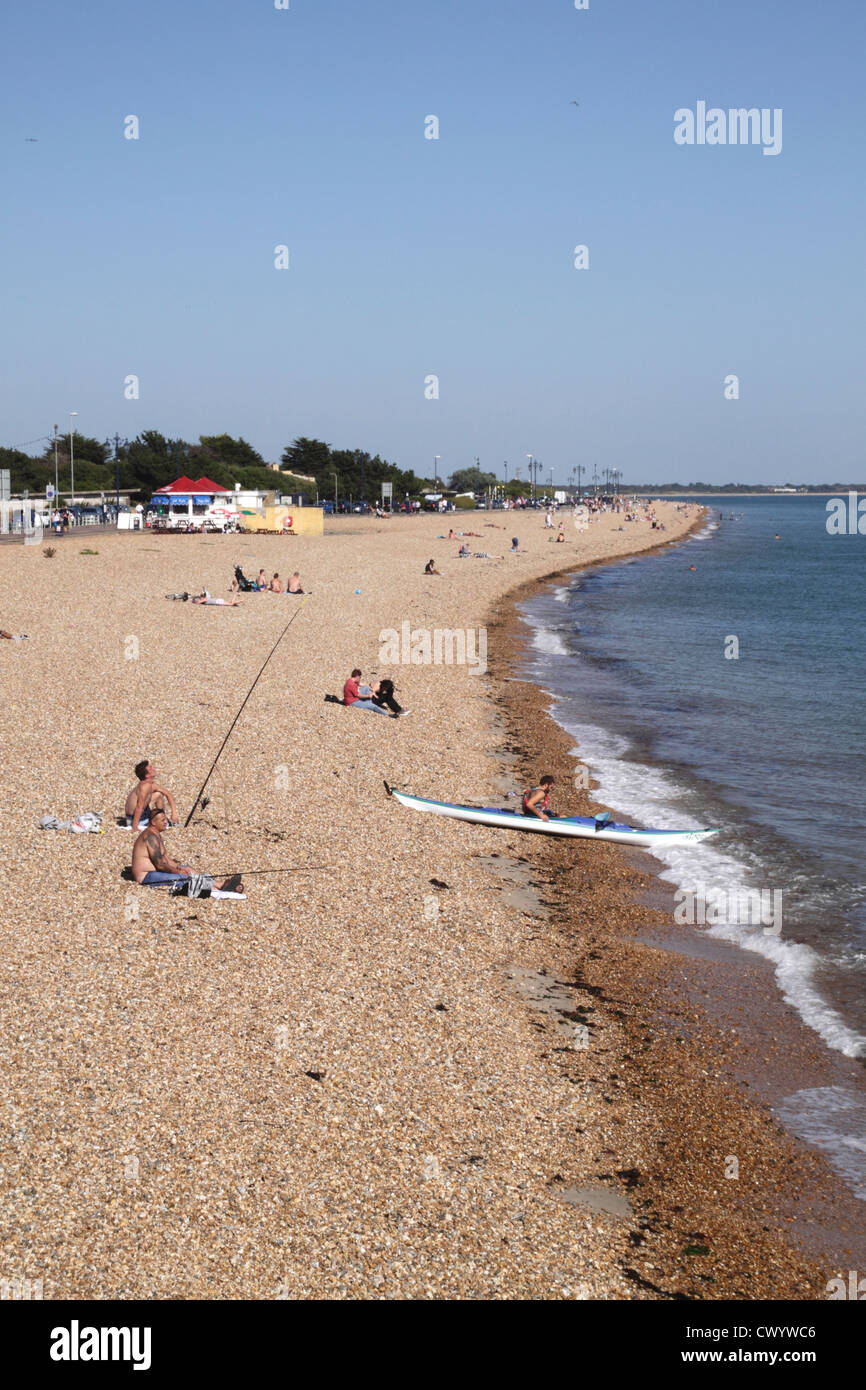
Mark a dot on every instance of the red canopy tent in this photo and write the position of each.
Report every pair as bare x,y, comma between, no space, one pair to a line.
196,487
207,485
184,485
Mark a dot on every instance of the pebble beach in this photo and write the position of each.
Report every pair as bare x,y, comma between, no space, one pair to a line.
362,1081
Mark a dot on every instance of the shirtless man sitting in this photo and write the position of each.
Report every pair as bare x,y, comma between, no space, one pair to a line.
138,807
276,585
153,867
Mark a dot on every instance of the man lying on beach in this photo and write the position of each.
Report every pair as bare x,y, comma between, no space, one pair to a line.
10,636
357,696
205,598
146,797
536,800
153,867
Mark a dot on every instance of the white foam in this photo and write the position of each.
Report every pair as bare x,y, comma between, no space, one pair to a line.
834,1119
652,797
546,640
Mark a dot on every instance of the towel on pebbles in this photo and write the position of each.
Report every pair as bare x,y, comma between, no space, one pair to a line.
89,822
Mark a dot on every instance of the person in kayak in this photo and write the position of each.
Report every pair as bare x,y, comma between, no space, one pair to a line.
536,800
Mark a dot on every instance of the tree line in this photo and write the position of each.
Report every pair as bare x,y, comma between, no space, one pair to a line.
151,460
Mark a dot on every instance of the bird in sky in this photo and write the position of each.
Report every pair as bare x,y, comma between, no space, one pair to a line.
30,140
575,103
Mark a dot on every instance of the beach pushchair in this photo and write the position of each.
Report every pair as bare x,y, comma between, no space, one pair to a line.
244,584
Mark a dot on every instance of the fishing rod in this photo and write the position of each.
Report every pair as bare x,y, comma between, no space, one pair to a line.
241,710
305,869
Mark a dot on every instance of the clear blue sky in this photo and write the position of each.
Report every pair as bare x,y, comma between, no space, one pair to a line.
412,256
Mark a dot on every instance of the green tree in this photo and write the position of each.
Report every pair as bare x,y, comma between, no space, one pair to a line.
472,480
311,456
231,453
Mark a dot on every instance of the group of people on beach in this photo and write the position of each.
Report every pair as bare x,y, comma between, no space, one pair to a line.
240,584
275,585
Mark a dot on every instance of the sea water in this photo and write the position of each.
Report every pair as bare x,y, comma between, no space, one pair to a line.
731,694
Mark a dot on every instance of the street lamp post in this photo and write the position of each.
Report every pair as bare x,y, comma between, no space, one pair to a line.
56,478
334,476
531,477
117,443
71,457
436,461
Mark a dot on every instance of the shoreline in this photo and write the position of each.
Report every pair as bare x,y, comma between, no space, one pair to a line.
798,1219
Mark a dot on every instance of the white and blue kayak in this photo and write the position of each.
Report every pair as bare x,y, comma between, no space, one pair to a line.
599,827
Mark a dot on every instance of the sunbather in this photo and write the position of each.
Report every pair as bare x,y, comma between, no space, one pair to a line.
207,599
153,867
146,796
295,586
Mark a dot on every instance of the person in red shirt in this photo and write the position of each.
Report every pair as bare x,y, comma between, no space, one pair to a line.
357,696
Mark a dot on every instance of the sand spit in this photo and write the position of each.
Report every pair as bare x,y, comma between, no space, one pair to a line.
335,1088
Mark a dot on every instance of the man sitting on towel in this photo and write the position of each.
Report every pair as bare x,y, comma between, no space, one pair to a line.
152,866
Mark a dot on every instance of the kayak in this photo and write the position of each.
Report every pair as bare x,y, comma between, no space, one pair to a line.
599,827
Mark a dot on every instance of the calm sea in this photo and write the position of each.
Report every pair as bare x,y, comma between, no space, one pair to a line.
731,695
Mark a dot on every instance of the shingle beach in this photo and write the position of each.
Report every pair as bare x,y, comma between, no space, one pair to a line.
347,1085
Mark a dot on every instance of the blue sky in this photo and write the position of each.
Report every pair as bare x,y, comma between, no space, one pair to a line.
453,257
